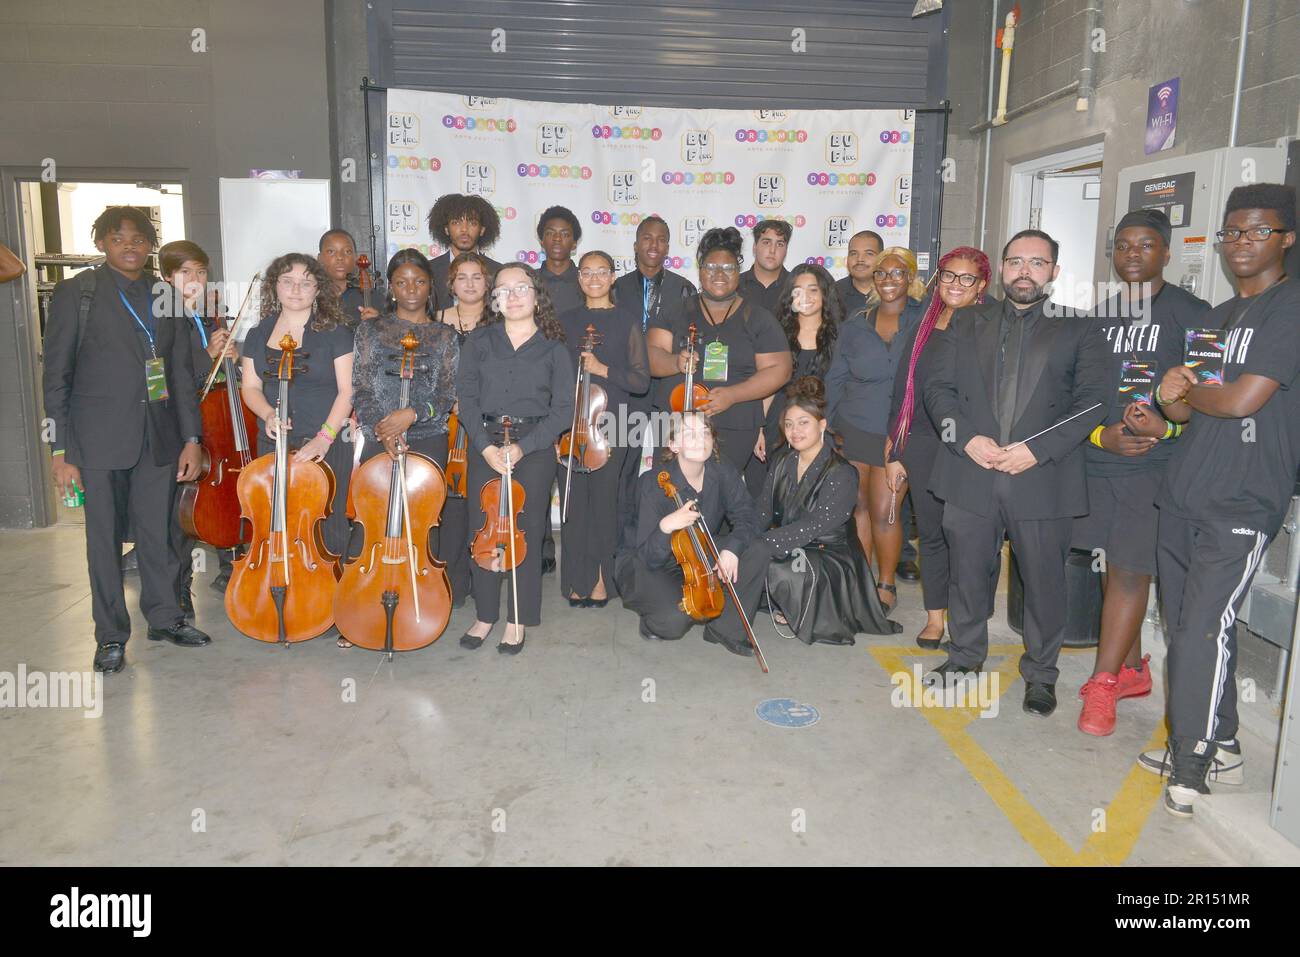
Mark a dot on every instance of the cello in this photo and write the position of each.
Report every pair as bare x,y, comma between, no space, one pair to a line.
584,447
282,589
689,395
394,596
702,587
208,508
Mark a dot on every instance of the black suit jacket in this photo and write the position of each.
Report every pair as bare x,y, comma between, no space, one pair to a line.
96,395
1064,370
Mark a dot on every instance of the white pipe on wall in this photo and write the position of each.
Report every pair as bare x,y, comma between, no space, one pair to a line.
1241,72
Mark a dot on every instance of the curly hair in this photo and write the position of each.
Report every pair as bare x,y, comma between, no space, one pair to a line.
325,313
453,206
543,311
807,393
727,238
832,312
563,213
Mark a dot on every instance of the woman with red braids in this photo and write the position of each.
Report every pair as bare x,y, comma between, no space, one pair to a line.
914,439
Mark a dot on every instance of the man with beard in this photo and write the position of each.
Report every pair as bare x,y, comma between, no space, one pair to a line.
1006,372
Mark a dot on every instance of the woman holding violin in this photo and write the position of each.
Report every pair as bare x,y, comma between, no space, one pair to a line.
649,573
616,365
515,386
806,558
376,388
298,300
741,357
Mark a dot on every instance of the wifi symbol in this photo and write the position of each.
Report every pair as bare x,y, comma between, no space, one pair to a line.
1164,93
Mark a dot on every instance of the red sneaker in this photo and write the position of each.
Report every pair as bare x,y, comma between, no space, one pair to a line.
1099,695
1134,683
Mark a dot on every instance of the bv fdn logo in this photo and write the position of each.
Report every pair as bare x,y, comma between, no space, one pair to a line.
403,217
624,188
478,178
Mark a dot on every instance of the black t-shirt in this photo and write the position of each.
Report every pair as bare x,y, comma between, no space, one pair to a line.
314,386
621,348
1244,470
749,331
1158,338
769,297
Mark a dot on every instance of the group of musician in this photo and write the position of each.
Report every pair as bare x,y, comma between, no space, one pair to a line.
796,422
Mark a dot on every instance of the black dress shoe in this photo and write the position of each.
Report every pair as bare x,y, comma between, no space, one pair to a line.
908,571
110,658
474,642
948,671
1040,699
508,649
182,633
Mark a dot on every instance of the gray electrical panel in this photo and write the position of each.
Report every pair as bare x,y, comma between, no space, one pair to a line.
1285,816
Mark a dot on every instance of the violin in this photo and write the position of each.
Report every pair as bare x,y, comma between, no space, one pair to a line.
282,589
584,447
689,395
395,596
499,545
457,473
702,587
208,508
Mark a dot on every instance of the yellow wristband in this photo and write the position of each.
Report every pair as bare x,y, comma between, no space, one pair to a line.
1095,438
58,451
333,433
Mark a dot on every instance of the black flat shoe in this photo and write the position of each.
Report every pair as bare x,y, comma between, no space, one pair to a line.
596,602
508,649
577,603
947,672
930,644
474,642
1040,698
110,658
182,633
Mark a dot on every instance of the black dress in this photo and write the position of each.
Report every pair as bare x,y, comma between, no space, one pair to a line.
830,594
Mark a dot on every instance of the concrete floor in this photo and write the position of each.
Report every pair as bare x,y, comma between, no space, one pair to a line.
244,753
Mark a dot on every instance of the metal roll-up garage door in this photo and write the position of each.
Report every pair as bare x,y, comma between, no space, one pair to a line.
730,54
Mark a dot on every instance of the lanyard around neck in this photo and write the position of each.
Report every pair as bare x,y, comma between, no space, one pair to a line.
138,321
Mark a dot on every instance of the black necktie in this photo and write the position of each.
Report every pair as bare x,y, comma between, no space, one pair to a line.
1009,361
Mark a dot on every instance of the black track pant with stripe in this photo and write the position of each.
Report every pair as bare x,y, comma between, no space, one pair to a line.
1205,568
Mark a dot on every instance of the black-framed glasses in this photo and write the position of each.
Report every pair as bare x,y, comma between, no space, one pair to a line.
1256,234
948,277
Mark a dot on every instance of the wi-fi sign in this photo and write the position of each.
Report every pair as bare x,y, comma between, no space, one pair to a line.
1164,93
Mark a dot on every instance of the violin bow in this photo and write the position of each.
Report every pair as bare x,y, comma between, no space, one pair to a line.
731,591
225,352
510,514
406,513
573,431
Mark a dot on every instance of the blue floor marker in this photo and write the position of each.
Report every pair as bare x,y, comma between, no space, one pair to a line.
787,713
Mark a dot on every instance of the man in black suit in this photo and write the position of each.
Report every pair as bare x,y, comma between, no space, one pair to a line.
462,224
120,391
1004,372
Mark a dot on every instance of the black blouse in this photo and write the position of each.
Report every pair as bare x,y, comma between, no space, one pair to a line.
535,380
831,511
314,386
622,348
376,385
723,496
921,423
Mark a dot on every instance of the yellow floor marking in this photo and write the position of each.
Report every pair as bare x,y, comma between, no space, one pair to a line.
1126,814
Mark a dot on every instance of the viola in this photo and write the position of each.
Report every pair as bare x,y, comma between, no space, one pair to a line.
457,473
689,395
208,508
499,545
282,589
584,448
395,595
703,589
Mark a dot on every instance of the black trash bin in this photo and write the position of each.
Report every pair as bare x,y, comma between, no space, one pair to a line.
1082,600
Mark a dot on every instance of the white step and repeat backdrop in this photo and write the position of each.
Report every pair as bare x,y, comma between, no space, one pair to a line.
829,172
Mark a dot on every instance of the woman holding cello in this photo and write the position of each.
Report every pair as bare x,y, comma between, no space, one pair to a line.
515,386
298,300
650,576
616,366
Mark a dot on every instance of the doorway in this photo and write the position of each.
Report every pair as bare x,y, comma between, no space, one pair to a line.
1061,195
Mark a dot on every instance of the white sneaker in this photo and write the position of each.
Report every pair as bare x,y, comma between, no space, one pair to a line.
1226,768
1180,798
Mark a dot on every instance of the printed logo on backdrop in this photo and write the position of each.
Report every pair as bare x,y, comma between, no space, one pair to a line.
625,187
625,112
624,264
479,102
706,177
697,147
772,136
769,190
403,130
750,220
692,228
554,140
771,116
478,179
837,232
842,148
903,190
403,217
841,179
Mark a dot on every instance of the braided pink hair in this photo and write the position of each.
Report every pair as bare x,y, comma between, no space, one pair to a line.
903,427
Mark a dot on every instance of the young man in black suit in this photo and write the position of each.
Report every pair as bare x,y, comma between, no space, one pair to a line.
462,224
121,393
1007,371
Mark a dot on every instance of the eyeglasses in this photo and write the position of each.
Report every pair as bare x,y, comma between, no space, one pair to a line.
288,282
519,291
890,274
725,268
595,273
1257,234
948,277
1018,262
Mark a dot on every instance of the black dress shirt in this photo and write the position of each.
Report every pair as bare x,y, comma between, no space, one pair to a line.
723,496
